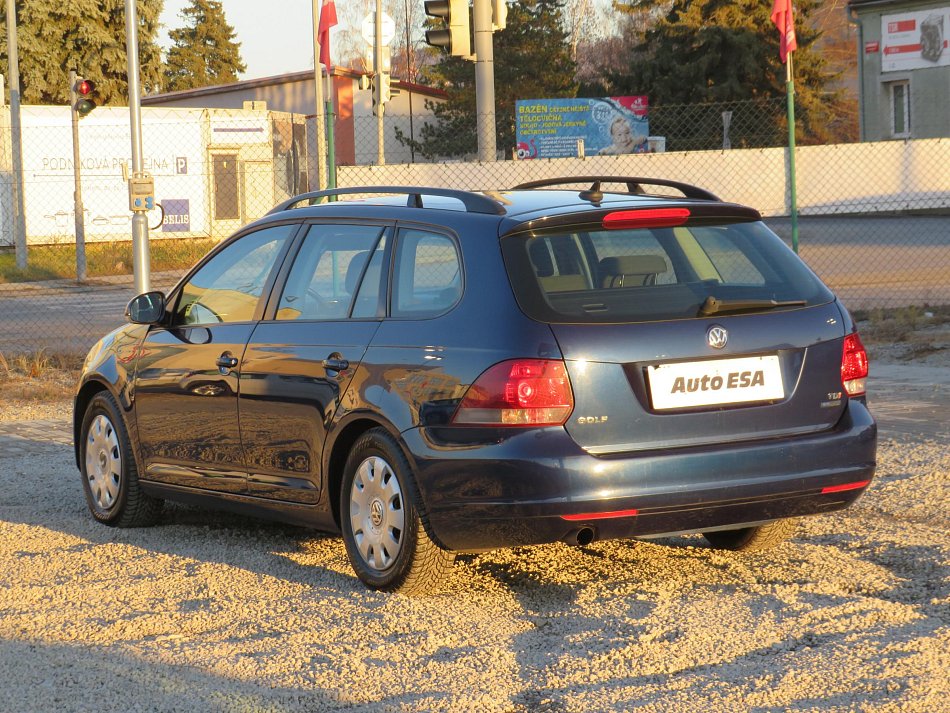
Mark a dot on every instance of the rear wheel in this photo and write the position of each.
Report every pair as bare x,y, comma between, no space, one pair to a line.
753,539
109,475
386,541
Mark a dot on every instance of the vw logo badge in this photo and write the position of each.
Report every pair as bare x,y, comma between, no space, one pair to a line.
717,336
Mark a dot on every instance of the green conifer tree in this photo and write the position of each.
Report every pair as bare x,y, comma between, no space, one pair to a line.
204,51
706,51
87,36
532,61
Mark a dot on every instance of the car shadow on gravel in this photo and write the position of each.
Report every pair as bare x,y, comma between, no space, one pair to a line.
812,623
243,542
207,535
923,573
41,677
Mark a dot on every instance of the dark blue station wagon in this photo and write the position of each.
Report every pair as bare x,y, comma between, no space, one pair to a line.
432,371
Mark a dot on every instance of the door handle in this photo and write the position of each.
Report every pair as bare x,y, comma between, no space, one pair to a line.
335,362
226,361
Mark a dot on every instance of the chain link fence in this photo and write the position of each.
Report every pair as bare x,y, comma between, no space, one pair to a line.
874,220
214,171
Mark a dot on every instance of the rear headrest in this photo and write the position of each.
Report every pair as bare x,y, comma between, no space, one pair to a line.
540,258
632,265
353,271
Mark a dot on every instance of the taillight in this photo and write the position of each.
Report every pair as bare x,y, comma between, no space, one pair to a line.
520,392
854,365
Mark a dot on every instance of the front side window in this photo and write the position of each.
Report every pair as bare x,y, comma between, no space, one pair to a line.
328,271
228,287
427,280
646,274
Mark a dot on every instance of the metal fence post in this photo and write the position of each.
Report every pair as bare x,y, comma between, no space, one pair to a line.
78,211
19,205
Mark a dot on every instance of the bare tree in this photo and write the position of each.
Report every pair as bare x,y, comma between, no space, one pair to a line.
581,20
603,39
348,48
408,47
406,50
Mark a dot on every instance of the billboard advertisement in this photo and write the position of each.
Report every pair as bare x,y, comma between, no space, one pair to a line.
915,40
553,128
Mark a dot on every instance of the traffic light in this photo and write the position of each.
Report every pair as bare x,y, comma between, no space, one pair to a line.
381,90
82,94
499,14
456,37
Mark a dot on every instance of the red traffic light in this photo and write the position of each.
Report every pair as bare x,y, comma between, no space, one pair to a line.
83,96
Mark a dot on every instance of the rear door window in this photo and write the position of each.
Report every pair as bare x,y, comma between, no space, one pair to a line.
327,271
646,274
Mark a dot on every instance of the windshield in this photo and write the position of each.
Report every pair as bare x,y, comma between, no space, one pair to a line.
646,274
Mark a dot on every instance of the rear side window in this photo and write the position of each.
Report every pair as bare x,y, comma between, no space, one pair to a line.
427,280
648,274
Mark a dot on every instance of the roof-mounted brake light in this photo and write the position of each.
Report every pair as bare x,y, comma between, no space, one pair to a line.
646,218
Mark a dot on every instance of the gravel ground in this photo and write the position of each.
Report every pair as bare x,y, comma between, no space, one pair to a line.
214,612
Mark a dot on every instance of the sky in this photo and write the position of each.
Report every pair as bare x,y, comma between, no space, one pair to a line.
276,36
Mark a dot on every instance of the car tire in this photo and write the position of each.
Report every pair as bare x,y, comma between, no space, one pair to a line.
109,473
385,537
753,539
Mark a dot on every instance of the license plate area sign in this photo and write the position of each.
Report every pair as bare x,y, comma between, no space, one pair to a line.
715,382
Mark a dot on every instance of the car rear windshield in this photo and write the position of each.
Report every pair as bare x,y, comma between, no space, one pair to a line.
647,274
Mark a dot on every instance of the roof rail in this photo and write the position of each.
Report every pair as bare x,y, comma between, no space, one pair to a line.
634,185
473,202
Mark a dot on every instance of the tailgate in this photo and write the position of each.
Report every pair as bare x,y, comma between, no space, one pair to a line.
655,385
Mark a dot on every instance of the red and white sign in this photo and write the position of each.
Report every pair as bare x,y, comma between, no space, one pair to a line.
914,40
872,47
639,105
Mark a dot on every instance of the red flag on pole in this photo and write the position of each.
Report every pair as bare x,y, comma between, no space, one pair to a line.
784,20
327,20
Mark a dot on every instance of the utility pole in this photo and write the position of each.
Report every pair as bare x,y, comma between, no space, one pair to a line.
19,205
140,188
378,67
318,91
484,79
488,16
409,79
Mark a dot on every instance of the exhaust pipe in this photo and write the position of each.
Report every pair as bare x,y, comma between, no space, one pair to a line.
581,537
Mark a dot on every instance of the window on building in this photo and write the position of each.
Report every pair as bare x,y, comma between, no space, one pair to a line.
900,109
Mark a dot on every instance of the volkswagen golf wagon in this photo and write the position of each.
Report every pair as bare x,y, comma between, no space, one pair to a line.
431,371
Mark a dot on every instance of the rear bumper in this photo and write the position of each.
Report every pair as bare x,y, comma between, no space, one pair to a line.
517,489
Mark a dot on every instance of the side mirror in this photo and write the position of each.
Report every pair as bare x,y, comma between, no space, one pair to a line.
147,308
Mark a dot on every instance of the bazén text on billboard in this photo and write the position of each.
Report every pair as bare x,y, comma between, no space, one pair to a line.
553,128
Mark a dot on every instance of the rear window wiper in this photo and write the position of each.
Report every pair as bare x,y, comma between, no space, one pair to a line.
713,305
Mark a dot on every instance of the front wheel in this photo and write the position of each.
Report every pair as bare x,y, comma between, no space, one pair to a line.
109,475
753,539
385,539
